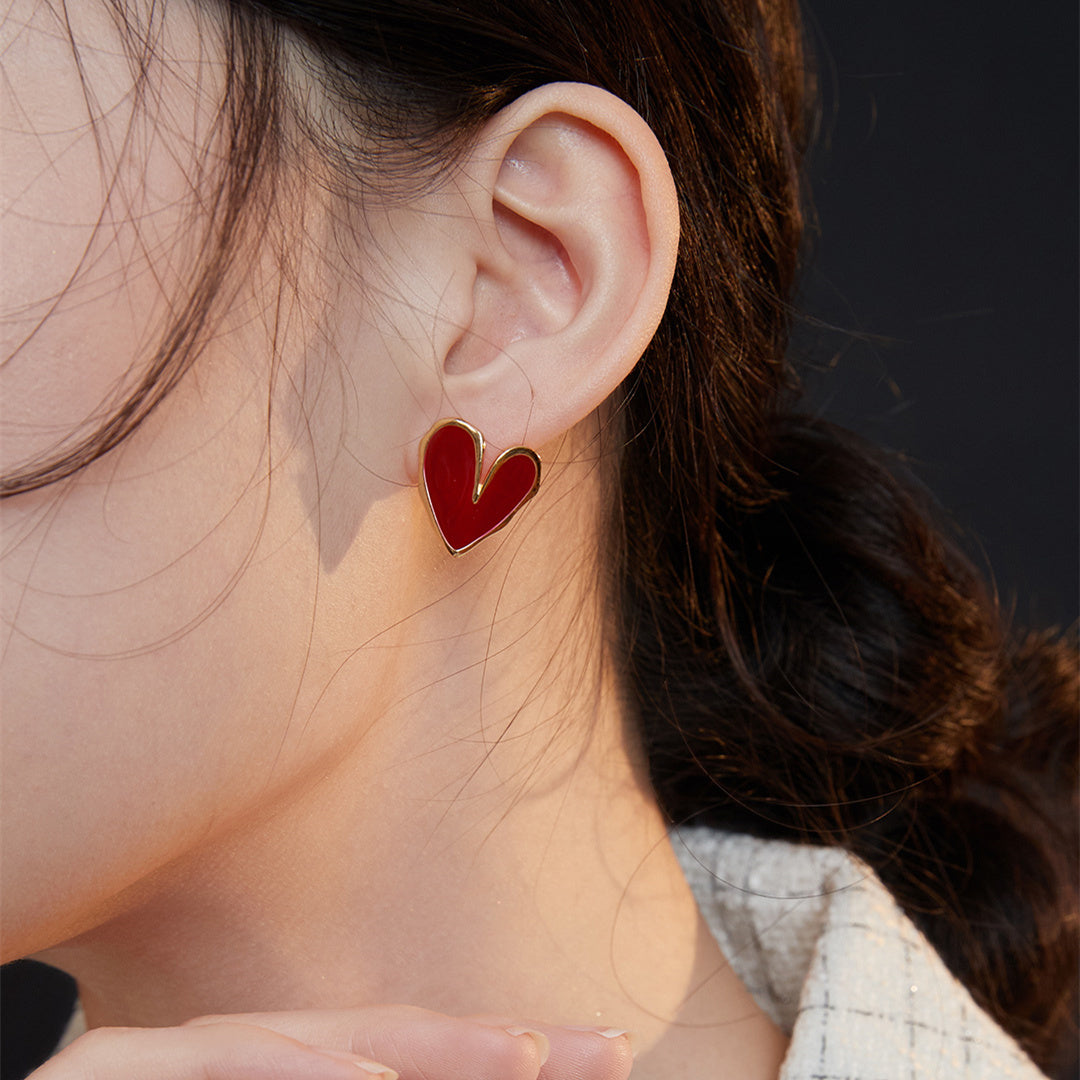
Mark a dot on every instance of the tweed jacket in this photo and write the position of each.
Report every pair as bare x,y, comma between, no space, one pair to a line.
825,950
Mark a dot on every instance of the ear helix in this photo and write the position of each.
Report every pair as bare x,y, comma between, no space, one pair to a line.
464,508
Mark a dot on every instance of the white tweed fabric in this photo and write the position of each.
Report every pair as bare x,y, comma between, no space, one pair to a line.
825,950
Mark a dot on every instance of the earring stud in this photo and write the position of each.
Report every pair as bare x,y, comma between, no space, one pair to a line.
464,508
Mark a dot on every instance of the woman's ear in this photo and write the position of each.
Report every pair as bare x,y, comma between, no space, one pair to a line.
571,235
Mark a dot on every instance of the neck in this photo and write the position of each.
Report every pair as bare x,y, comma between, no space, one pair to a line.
510,863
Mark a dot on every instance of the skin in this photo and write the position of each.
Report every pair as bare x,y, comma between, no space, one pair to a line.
266,745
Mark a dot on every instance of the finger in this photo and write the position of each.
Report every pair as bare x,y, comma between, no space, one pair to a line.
418,1044
589,1054
579,1053
218,1052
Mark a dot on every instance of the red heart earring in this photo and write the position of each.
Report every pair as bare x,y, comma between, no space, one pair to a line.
464,509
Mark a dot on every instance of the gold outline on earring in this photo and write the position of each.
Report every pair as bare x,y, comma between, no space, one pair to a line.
478,484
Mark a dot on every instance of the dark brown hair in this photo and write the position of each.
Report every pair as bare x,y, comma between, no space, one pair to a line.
811,654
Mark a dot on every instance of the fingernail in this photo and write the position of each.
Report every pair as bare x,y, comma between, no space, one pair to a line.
538,1037
371,1068
607,1033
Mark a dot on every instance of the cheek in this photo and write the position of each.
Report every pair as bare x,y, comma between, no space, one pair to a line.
156,614
99,230
177,653
165,666
147,643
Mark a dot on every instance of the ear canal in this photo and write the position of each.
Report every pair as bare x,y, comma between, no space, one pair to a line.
571,179
542,256
535,291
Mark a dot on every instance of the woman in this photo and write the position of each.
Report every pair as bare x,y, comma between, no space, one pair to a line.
292,726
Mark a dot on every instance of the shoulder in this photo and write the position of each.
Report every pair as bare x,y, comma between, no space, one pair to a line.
826,951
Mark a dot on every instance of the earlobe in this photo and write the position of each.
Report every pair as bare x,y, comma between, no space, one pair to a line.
573,276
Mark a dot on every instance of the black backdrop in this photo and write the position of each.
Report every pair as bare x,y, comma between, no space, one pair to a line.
946,184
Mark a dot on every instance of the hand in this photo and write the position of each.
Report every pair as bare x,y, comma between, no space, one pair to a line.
379,1042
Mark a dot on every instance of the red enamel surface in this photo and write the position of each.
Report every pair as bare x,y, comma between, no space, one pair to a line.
450,476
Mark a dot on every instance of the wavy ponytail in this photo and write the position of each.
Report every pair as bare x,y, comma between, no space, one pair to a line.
847,680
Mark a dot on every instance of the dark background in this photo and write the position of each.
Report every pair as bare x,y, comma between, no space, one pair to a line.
946,185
